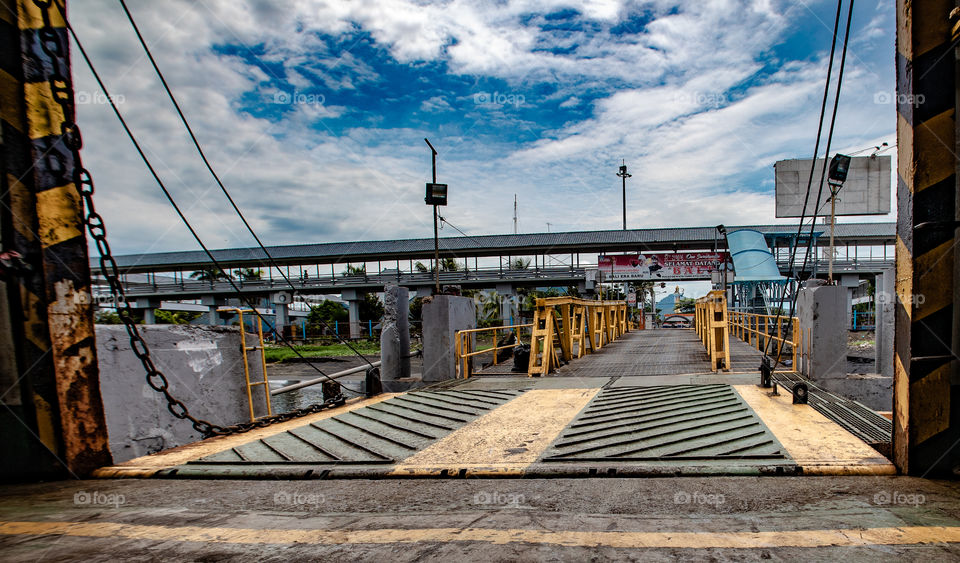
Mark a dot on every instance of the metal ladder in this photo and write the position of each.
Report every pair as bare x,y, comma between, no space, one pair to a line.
246,363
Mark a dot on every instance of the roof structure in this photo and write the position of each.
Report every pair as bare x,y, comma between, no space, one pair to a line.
633,240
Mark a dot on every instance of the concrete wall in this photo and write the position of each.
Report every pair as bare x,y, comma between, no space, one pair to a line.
442,317
204,366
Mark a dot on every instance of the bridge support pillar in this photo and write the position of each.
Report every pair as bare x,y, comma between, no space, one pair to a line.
147,306
281,316
850,282
352,297
884,313
213,317
508,298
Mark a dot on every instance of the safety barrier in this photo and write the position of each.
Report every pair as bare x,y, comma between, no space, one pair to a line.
759,330
569,324
563,327
710,322
465,343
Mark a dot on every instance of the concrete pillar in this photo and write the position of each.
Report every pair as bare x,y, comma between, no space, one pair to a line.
851,282
821,311
353,306
508,299
281,316
884,301
395,334
443,315
213,318
147,306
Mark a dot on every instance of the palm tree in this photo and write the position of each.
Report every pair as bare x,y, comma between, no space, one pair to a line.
211,275
248,274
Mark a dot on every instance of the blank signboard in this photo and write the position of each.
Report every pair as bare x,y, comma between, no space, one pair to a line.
866,191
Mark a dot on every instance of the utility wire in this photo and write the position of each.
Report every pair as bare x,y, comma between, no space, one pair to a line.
823,172
816,151
169,196
216,177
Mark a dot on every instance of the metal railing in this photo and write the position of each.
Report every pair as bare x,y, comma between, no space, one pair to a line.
563,327
712,326
759,330
465,344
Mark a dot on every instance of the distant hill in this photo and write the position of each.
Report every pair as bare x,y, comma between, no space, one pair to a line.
666,304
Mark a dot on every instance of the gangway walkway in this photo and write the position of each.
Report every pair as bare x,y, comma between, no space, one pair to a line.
647,404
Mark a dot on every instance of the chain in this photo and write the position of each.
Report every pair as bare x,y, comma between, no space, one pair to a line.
61,88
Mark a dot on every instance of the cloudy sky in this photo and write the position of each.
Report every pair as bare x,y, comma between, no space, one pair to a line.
314,112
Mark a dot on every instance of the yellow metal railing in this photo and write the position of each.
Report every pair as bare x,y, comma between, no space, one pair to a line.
464,345
246,365
759,330
565,327
710,322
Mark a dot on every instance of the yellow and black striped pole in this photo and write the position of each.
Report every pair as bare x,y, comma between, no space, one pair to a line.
60,405
926,393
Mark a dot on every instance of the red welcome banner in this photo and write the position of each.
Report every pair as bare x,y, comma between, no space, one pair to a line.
672,266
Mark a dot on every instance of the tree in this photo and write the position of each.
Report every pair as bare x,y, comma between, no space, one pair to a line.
248,274
163,317
108,318
519,264
371,309
355,270
211,275
446,265
685,305
327,312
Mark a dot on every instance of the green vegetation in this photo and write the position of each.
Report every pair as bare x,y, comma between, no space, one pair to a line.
107,318
211,275
284,353
175,317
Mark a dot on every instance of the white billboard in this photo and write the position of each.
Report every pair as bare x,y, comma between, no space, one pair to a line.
866,191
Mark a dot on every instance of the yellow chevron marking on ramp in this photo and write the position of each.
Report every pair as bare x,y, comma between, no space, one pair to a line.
819,445
504,441
905,535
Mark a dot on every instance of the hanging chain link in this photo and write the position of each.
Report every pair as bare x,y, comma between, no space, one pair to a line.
52,44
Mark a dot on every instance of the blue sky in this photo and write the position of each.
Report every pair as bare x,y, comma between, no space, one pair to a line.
315,112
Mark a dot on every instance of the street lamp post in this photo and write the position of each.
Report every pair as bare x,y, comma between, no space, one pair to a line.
839,166
436,195
623,176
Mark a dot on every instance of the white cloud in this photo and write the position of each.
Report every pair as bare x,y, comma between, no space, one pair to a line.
682,118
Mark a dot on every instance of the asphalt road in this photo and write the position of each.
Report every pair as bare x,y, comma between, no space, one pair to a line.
723,518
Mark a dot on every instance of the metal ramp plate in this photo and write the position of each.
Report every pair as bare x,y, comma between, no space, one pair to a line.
862,422
375,435
686,428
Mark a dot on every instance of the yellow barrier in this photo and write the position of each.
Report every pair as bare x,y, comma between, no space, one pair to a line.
710,322
758,330
463,346
569,322
565,327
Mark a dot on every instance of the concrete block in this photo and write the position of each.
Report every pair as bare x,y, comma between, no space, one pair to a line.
204,365
822,314
443,315
395,334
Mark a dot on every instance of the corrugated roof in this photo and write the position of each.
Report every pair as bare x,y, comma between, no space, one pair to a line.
483,245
